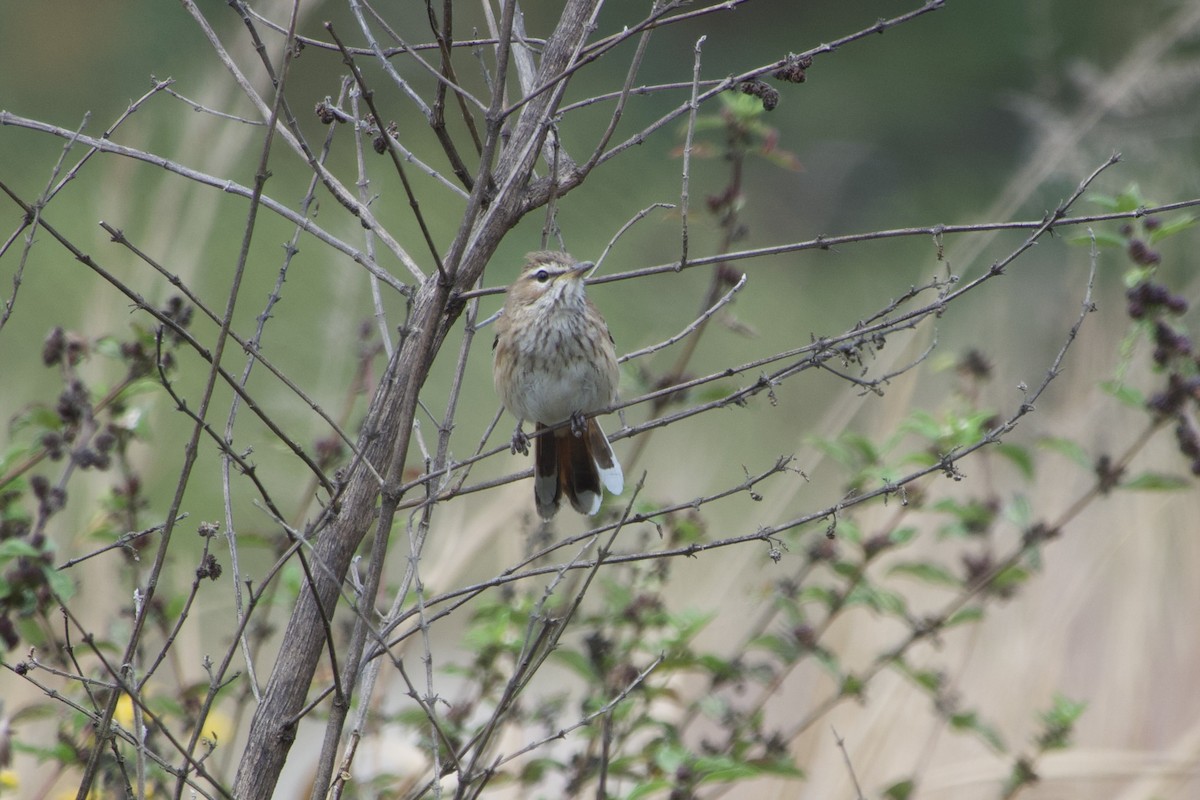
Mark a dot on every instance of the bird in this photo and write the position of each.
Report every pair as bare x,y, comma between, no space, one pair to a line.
553,362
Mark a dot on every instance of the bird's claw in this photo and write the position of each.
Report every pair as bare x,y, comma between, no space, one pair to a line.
520,442
578,424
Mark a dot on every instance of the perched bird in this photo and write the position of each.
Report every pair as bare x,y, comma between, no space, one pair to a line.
553,361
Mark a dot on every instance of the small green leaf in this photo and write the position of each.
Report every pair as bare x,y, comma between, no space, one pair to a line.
1019,511
1105,201
140,386
725,771
829,661
920,459
1102,238
970,721
576,662
782,647
1135,275
1009,579
963,615
1171,228
926,572
877,599
927,679
818,594
649,789
1059,722
923,424
17,548
1125,393
1069,448
1129,200
60,583
40,418
18,452
1018,455
1156,482
902,790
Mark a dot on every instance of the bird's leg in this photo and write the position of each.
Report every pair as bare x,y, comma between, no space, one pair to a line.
578,424
520,442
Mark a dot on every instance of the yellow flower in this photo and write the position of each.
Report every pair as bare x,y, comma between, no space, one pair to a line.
217,728
8,780
123,715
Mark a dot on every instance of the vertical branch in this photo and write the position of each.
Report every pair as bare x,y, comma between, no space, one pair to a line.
368,97
684,193
364,196
444,34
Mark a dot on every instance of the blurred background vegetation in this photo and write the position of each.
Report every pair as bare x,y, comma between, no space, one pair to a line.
980,112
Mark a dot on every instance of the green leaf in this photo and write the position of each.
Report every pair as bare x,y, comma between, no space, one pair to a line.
1156,482
39,418
782,647
1105,201
670,757
963,615
1129,200
829,661
1059,722
649,789
920,459
30,633
818,594
926,572
18,452
923,424
849,531
970,721
927,679
1019,512
1171,228
746,108
852,686
725,771
576,662
1135,275
1069,448
140,386
60,583
1009,578
1102,238
901,790
17,548
108,346
1125,393
1018,455
973,516
880,600
536,769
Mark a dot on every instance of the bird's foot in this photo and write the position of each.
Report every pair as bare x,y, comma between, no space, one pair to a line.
520,442
578,424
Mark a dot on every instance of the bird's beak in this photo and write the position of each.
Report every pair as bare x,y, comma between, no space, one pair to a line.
582,267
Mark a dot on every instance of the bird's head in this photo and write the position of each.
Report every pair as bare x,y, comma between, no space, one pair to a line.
548,278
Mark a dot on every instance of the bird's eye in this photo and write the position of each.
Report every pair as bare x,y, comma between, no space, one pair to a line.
541,276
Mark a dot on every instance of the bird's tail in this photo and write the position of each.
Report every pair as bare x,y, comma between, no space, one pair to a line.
575,466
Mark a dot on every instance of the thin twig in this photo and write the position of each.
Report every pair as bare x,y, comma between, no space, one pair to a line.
684,194
692,326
